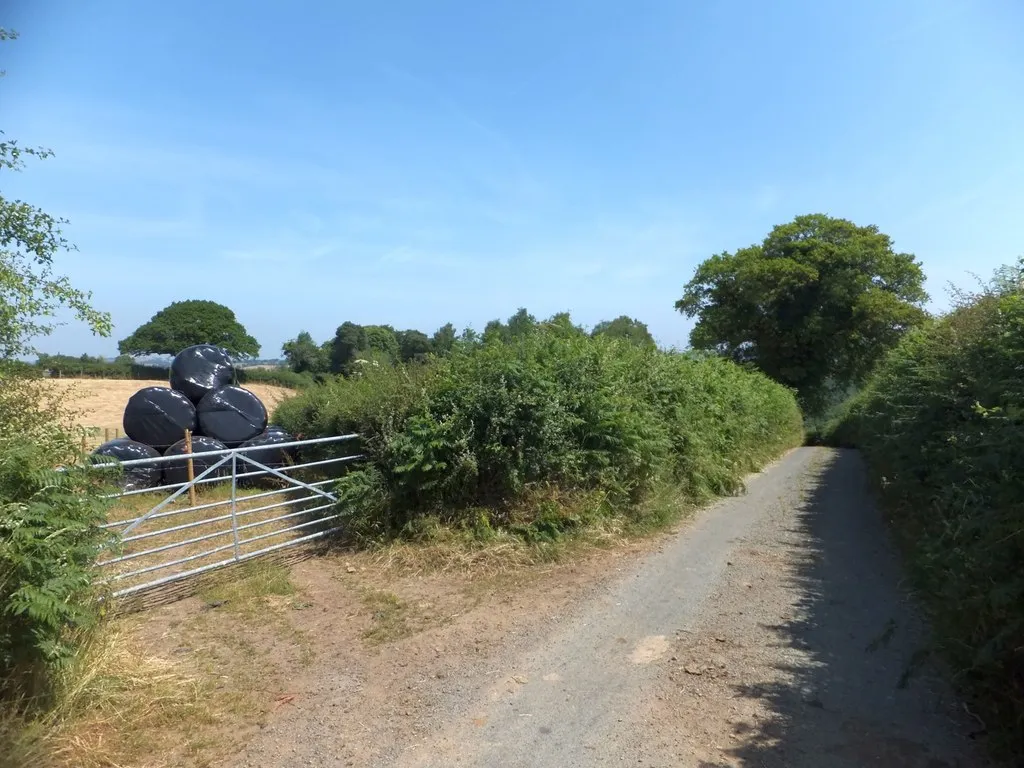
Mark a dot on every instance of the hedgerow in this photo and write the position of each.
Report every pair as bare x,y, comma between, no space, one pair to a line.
941,424
88,367
547,417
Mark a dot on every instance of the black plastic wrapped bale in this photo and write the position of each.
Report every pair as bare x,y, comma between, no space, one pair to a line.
232,415
282,431
158,416
176,472
264,449
199,370
138,476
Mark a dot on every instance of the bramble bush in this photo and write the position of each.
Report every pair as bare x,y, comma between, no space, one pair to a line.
537,421
941,425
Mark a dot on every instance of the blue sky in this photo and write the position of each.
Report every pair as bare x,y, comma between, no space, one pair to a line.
415,163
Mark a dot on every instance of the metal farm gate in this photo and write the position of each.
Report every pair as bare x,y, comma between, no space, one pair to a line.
233,510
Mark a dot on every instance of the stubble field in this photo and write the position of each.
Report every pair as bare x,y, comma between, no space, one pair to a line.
99,403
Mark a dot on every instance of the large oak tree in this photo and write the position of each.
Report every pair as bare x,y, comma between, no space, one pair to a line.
184,323
814,305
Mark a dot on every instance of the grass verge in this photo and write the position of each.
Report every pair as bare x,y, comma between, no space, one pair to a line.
115,705
123,703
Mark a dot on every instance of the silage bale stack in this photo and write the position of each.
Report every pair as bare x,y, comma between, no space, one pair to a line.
202,405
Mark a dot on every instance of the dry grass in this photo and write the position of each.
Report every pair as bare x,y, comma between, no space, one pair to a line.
125,704
460,554
497,552
100,402
116,706
391,617
255,580
187,684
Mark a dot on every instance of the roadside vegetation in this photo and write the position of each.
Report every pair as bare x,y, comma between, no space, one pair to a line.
543,433
815,305
941,425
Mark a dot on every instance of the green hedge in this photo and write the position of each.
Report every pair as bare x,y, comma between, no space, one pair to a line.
497,426
65,366
281,377
941,425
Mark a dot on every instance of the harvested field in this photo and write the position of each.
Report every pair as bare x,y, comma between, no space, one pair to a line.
101,401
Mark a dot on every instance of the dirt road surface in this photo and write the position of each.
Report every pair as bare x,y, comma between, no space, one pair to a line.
769,631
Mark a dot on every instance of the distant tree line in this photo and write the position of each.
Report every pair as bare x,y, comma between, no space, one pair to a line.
126,367
184,323
98,367
357,345
354,345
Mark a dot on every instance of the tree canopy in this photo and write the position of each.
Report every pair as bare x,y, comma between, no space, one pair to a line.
562,323
348,340
625,328
382,339
814,305
519,324
377,344
443,339
414,345
185,323
306,356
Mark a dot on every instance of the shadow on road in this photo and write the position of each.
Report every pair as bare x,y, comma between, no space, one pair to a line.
853,691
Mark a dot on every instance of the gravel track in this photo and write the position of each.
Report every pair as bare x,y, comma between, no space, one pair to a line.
770,631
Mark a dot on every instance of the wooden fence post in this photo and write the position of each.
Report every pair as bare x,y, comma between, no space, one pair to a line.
191,468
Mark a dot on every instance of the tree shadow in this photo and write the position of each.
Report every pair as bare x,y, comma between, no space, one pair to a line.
857,688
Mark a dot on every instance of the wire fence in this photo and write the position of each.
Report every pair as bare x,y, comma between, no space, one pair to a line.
236,508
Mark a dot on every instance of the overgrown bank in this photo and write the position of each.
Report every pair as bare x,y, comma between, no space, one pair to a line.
941,425
545,433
